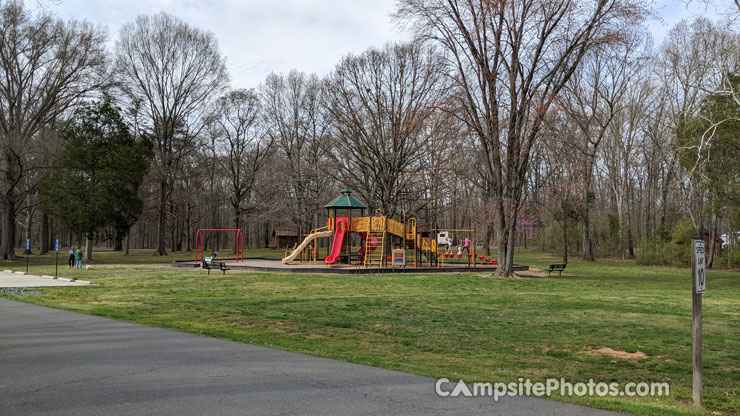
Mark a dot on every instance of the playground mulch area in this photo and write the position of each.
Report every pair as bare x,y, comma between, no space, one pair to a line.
274,265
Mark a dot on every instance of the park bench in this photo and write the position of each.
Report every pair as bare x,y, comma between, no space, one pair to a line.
556,268
215,265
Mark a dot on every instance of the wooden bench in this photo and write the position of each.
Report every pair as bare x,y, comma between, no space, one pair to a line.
215,265
556,268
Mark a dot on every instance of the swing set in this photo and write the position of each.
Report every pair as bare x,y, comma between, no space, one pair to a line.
238,242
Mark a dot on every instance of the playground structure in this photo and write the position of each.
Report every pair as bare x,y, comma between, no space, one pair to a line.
384,242
385,246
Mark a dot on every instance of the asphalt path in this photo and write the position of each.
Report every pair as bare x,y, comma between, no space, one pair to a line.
55,362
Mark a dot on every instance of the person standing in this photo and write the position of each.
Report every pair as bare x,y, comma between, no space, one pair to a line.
78,257
71,260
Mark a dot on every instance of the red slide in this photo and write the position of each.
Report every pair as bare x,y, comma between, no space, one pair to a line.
341,227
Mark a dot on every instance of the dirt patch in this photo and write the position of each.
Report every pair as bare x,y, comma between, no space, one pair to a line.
624,355
516,276
730,368
381,326
536,272
663,356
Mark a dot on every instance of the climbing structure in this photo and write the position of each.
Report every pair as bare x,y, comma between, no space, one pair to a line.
378,235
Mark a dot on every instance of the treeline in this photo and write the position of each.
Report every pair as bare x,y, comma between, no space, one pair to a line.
559,128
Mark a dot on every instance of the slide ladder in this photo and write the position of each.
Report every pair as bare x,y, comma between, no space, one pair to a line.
376,229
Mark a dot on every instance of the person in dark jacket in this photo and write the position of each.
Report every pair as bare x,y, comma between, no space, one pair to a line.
71,260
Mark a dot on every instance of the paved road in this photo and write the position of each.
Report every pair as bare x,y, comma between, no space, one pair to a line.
61,363
9,279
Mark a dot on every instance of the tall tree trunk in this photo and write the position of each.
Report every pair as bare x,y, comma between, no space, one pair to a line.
507,268
128,242
487,242
89,247
44,234
52,235
525,238
505,232
173,227
565,237
628,213
180,235
712,241
162,219
7,240
118,243
664,195
588,249
188,228
237,224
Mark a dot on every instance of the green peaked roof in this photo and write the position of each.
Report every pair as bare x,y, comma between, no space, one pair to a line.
345,201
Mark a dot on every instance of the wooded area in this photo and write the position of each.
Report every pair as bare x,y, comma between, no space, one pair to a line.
554,125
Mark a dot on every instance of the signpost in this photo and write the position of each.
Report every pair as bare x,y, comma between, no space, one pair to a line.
28,250
56,269
698,286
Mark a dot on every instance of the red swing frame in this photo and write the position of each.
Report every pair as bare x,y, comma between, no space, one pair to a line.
200,242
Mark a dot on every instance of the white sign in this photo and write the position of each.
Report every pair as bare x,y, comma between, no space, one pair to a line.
699,270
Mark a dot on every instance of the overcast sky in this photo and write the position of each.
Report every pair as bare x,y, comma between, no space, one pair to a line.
262,36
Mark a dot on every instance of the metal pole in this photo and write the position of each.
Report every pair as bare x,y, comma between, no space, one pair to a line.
696,331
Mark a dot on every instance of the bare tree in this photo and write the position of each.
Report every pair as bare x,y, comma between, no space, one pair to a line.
47,65
510,60
379,102
625,137
591,99
168,72
561,172
297,122
241,144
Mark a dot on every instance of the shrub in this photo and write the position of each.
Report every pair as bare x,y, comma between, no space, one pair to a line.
658,250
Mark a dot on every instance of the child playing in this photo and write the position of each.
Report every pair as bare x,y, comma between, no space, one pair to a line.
465,246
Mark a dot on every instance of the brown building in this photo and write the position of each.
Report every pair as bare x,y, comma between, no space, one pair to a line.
718,241
284,238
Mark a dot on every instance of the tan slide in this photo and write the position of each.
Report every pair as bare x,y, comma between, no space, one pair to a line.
304,244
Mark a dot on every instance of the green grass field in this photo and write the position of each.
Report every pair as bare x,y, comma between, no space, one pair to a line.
454,325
